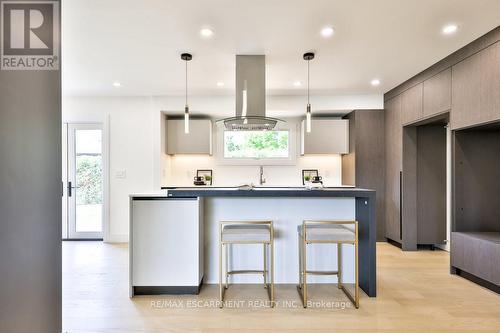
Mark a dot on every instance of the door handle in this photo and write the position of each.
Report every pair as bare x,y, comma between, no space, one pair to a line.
70,189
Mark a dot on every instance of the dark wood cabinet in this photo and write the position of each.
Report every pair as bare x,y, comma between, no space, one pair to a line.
411,104
490,83
465,92
475,89
393,167
364,165
437,94
426,99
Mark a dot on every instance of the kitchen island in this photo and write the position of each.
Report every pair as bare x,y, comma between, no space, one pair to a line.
174,234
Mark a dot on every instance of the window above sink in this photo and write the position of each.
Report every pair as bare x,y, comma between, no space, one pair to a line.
271,147
257,144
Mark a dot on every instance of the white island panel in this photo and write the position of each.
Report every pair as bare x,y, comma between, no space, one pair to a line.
166,242
286,213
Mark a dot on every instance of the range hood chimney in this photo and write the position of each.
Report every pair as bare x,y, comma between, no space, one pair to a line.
250,110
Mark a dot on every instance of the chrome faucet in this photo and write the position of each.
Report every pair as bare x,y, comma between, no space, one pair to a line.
262,180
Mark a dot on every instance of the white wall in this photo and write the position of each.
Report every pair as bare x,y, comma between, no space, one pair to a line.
136,145
183,169
133,144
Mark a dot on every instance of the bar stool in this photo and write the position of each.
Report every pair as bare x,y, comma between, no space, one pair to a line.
247,232
327,232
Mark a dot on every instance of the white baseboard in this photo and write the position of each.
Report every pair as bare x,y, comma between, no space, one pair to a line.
117,239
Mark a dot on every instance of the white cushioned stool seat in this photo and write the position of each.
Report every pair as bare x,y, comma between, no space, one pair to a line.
328,232
246,233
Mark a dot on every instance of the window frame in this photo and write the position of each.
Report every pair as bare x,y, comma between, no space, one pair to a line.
290,160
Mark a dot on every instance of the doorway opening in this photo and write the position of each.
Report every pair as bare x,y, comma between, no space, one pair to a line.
426,184
84,182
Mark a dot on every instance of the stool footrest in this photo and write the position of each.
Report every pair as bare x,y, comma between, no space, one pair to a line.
350,296
322,272
247,271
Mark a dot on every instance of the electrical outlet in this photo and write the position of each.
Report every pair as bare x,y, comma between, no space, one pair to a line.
121,174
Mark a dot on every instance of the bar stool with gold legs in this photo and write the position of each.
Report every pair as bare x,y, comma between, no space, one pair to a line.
327,232
247,232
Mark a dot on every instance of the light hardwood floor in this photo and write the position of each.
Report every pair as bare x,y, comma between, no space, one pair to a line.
416,293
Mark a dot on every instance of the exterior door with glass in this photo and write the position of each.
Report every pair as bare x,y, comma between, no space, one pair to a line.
85,182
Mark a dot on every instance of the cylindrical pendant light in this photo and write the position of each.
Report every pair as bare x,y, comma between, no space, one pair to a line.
308,57
186,57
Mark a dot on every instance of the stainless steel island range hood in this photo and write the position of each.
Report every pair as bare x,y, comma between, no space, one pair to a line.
250,96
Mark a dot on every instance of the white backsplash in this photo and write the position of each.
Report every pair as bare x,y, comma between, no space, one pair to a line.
181,169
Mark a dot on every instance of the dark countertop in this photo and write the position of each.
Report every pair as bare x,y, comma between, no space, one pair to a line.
364,206
341,192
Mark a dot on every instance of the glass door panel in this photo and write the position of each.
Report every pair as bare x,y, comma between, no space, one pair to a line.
85,181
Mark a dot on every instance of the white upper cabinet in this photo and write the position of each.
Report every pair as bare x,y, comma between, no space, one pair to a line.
197,141
328,136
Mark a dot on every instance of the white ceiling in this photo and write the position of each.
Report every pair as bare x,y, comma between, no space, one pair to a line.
139,42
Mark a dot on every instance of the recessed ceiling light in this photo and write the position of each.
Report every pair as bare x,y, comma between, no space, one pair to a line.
375,82
449,29
327,32
220,84
297,83
117,84
206,32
